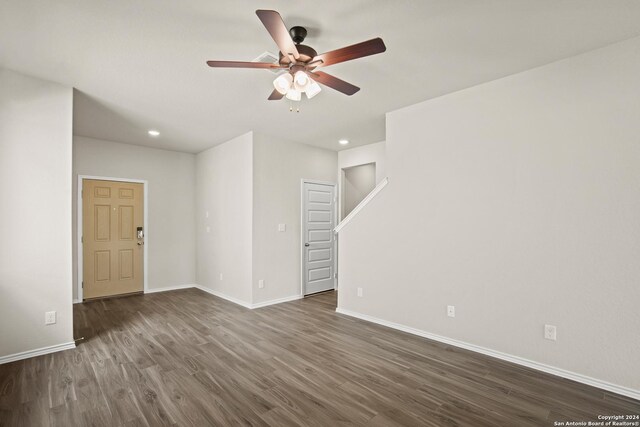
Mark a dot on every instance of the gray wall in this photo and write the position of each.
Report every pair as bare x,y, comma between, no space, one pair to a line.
518,203
358,183
279,167
170,234
35,213
370,153
224,190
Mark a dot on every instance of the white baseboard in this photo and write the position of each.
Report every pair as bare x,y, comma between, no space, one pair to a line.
220,295
169,288
152,291
223,296
625,391
276,301
37,352
246,304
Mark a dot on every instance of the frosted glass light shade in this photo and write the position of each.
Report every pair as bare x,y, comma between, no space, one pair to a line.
312,90
294,95
301,81
282,83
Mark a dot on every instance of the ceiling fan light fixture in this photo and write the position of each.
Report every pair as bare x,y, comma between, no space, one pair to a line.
294,95
301,81
282,83
312,90
301,61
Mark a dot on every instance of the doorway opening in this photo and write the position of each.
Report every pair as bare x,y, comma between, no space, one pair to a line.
112,241
357,182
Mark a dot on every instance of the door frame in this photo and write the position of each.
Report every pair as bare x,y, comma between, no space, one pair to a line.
302,239
145,253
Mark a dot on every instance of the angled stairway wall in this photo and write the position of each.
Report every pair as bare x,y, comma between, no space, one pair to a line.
517,202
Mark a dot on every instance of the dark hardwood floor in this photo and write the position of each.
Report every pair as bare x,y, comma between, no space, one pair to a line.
188,358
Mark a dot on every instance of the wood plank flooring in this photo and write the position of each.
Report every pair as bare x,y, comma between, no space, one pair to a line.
190,359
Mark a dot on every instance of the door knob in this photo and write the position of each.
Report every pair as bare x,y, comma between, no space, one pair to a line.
306,244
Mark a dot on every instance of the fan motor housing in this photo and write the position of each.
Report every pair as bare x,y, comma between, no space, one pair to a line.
306,55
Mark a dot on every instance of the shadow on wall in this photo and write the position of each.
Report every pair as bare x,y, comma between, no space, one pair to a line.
357,182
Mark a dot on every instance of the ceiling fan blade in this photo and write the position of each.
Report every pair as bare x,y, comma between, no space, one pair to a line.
275,26
275,96
242,64
333,82
355,51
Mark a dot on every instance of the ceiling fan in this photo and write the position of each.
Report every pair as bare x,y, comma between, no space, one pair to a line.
301,61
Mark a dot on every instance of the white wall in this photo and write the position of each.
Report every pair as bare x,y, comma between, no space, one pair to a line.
35,213
224,177
518,202
170,234
279,167
371,153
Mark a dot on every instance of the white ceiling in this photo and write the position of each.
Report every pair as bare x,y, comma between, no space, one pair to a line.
140,64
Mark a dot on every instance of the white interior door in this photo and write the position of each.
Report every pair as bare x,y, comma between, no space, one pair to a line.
318,208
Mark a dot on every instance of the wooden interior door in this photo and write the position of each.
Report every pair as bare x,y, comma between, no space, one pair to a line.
112,215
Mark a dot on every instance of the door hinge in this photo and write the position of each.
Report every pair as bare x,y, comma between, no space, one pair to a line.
81,239
83,284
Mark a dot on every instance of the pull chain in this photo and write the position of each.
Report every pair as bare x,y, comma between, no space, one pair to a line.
291,108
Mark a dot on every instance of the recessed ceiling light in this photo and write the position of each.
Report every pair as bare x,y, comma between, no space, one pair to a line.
153,133
343,141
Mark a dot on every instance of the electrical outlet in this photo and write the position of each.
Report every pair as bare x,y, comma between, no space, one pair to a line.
282,227
49,317
550,332
359,292
261,283
451,311
220,276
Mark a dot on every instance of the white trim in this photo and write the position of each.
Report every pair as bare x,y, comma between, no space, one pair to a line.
276,301
625,391
79,227
361,205
302,236
152,291
246,304
170,288
37,352
223,296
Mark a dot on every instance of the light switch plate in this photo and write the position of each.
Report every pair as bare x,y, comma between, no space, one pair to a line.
261,283
282,227
451,311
